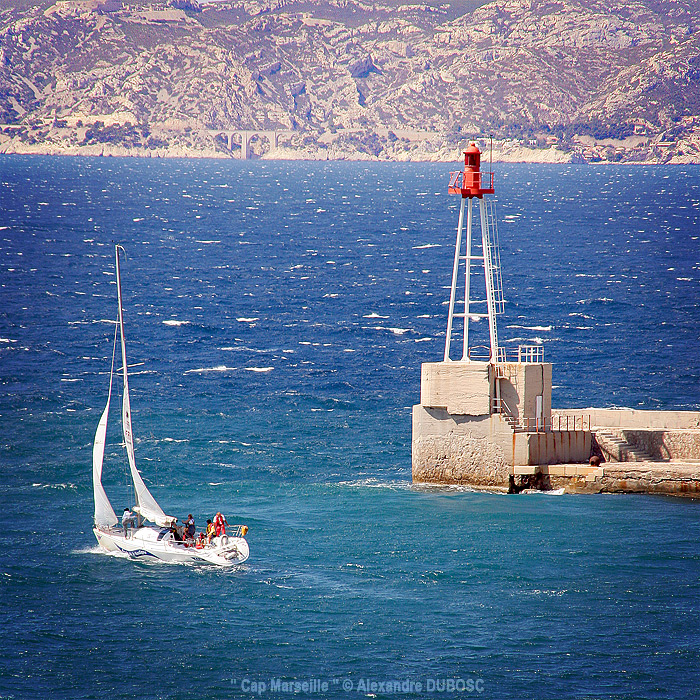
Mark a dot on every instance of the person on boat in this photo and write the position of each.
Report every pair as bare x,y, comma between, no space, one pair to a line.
210,531
176,532
190,528
128,520
220,524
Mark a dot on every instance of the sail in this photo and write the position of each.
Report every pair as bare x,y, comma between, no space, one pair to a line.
104,513
146,505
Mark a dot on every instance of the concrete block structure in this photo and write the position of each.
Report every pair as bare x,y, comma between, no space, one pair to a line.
477,421
488,423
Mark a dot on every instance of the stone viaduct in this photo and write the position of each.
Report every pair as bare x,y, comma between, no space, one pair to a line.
246,135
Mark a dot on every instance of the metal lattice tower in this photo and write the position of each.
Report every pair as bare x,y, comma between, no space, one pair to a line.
472,183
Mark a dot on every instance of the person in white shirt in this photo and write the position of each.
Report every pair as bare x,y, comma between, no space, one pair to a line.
128,519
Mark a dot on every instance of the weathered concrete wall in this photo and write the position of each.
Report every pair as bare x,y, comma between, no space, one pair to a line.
559,447
448,449
673,479
521,386
460,388
681,445
633,418
456,438
635,477
482,450
649,477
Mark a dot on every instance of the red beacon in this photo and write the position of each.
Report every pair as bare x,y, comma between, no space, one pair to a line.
470,182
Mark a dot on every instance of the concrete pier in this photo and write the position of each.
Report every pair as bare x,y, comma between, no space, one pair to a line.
491,426
670,478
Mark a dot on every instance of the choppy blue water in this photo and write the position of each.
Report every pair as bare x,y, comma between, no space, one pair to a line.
276,316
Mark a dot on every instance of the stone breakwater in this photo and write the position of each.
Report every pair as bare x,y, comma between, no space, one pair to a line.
670,478
459,439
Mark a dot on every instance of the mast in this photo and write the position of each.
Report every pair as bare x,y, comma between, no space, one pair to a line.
146,505
126,403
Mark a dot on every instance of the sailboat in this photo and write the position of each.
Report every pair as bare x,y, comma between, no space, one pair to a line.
161,540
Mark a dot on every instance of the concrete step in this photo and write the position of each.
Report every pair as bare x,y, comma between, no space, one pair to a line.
617,449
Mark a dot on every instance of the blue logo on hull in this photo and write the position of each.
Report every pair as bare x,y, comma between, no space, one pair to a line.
136,553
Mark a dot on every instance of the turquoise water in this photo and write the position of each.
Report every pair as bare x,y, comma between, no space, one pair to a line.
276,317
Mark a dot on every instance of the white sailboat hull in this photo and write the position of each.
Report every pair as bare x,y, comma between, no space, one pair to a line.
157,543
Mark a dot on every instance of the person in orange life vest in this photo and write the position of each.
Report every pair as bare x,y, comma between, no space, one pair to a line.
210,531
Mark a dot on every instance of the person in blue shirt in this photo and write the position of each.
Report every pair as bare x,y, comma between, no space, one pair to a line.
190,528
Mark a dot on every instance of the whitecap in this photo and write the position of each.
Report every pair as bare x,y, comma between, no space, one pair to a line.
207,242
551,492
174,322
202,370
247,320
460,488
54,486
427,245
374,315
89,550
532,328
7,340
373,483
137,219
259,369
399,331
98,550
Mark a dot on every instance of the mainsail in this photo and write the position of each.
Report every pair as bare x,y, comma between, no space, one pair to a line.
104,513
146,505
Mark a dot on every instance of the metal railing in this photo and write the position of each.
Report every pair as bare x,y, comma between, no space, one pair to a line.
581,421
473,180
530,353
521,354
543,424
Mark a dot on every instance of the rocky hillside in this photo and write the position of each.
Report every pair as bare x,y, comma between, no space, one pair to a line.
552,80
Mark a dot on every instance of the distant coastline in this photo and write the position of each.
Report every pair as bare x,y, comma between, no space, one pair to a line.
170,145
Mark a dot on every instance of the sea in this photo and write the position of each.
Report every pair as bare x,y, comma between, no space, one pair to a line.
276,318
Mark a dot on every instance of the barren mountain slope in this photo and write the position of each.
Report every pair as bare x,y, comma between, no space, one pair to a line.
348,77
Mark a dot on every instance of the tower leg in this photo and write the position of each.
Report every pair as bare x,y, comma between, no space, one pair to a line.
488,273
490,301
467,281
453,290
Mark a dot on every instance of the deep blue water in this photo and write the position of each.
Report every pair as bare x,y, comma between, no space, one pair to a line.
276,316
